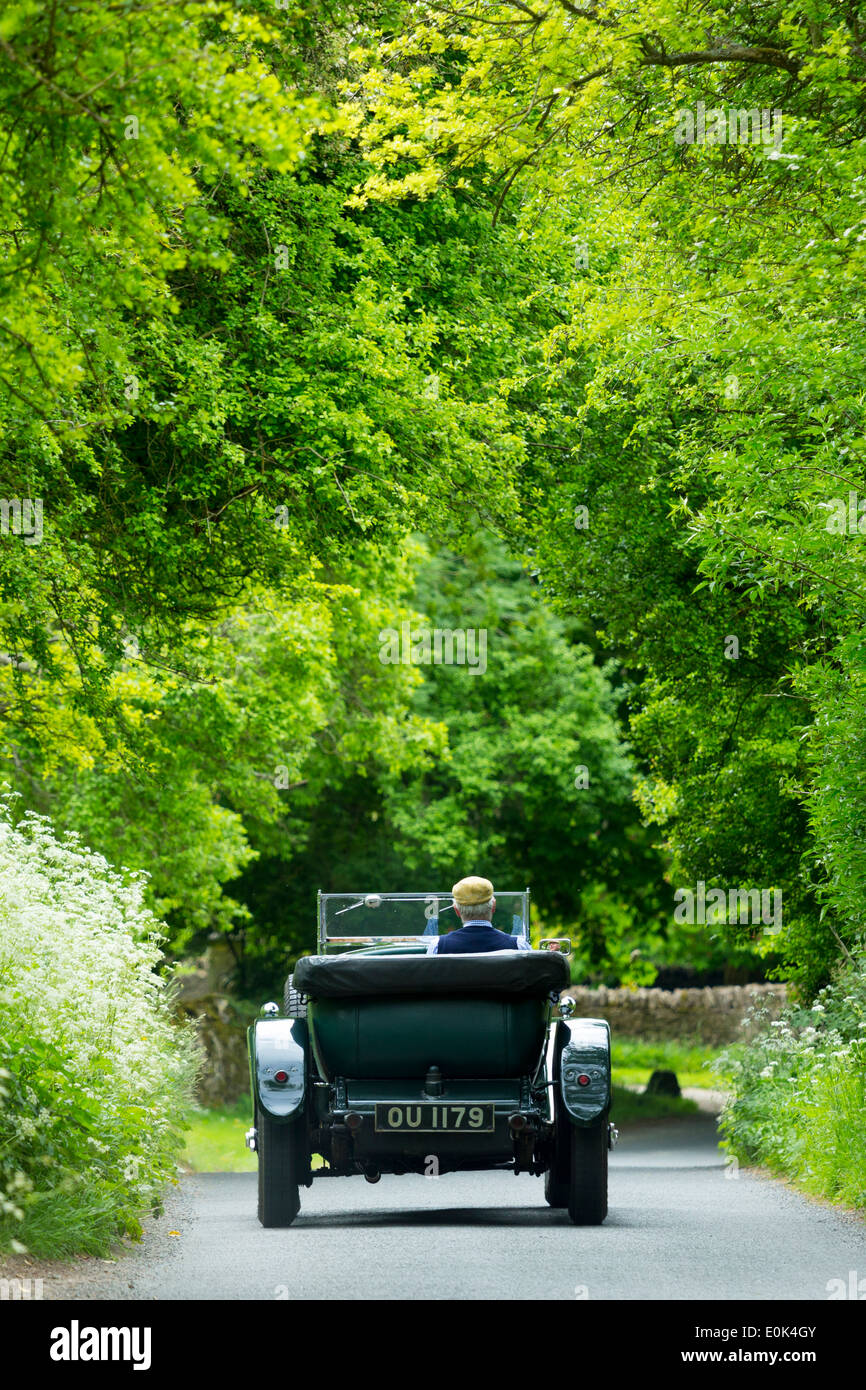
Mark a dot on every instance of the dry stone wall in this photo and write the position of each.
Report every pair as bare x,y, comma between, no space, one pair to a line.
714,1016
224,1074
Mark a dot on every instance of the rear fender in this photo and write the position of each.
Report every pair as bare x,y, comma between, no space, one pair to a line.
586,1052
278,1044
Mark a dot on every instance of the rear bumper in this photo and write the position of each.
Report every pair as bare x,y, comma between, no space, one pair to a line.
455,1090
433,1148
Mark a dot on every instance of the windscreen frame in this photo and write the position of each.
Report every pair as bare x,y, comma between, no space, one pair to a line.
331,941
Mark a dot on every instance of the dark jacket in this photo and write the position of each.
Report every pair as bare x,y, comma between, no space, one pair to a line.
475,938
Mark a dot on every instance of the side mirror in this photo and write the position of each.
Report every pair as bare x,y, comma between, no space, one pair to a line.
556,943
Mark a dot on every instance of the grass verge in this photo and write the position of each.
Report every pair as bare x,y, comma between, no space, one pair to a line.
626,1107
215,1139
632,1061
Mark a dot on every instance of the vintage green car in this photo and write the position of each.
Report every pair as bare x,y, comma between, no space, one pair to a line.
389,1059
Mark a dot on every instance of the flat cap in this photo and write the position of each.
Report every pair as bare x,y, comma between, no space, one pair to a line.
472,892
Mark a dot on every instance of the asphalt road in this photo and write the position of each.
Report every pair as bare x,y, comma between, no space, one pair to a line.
680,1227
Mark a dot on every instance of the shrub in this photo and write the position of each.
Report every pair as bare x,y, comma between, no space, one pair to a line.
95,1073
800,1093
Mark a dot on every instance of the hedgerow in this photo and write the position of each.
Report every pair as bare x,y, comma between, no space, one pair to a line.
95,1072
799,1093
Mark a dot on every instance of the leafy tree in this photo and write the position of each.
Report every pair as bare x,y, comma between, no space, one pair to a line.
293,689
507,275
531,786
219,620
704,167
119,124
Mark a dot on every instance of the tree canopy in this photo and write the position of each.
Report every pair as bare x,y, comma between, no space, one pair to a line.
542,319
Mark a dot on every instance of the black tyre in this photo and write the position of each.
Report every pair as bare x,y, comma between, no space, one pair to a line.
587,1194
557,1179
281,1169
294,1002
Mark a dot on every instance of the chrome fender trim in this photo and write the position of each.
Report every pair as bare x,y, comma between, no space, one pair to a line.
279,1044
586,1053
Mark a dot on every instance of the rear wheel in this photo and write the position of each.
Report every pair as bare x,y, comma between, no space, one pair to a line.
280,1155
557,1179
587,1193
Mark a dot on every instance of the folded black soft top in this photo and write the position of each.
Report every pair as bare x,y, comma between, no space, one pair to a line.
517,974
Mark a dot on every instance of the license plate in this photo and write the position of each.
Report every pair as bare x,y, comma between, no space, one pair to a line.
438,1119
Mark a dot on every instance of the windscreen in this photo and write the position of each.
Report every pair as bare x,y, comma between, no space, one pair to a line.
371,917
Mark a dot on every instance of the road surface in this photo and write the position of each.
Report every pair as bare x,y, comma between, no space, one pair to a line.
681,1226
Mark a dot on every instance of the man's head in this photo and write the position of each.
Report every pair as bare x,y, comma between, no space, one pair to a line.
473,899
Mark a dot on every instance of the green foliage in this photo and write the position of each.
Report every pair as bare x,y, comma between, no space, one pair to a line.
702,394
800,1091
496,794
358,276
205,610
282,289
94,1071
506,797
120,124
346,374
221,551
836,792
292,699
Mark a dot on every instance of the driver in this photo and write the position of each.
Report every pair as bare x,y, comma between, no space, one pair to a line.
474,904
